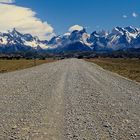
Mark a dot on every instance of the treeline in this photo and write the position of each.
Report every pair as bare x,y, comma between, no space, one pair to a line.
25,55
105,54
131,53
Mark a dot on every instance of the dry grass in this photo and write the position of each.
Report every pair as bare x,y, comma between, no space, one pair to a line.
12,65
129,68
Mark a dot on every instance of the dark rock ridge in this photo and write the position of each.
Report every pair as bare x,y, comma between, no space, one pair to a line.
78,40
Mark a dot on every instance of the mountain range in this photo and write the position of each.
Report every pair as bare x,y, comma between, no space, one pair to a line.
77,40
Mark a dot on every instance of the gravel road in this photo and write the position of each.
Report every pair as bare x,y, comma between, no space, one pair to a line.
68,100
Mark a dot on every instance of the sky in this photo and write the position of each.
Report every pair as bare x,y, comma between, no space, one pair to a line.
46,18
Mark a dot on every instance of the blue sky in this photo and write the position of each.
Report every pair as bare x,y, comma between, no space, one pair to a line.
93,14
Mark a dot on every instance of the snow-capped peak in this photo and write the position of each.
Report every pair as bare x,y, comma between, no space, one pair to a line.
15,33
118,31
14,37
131,29
67,34
77,37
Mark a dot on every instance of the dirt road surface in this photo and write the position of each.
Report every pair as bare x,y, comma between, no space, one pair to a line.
68,100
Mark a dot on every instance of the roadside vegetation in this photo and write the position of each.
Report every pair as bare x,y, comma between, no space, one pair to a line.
12,65
129,68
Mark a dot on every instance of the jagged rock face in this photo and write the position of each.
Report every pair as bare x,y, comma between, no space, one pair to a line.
118,39
136,42
16,41
78,40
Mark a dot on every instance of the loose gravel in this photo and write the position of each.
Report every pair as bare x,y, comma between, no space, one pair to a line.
68,100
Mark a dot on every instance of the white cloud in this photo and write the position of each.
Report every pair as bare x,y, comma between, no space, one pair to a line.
124,16
7,1
24,20
75,27
134,14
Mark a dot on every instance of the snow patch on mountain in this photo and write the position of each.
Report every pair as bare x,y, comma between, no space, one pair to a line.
16,38
76,38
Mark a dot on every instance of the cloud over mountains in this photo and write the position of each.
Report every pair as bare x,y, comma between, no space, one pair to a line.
7,1
23,19
75,27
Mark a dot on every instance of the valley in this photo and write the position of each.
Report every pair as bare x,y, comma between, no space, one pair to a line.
69,70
